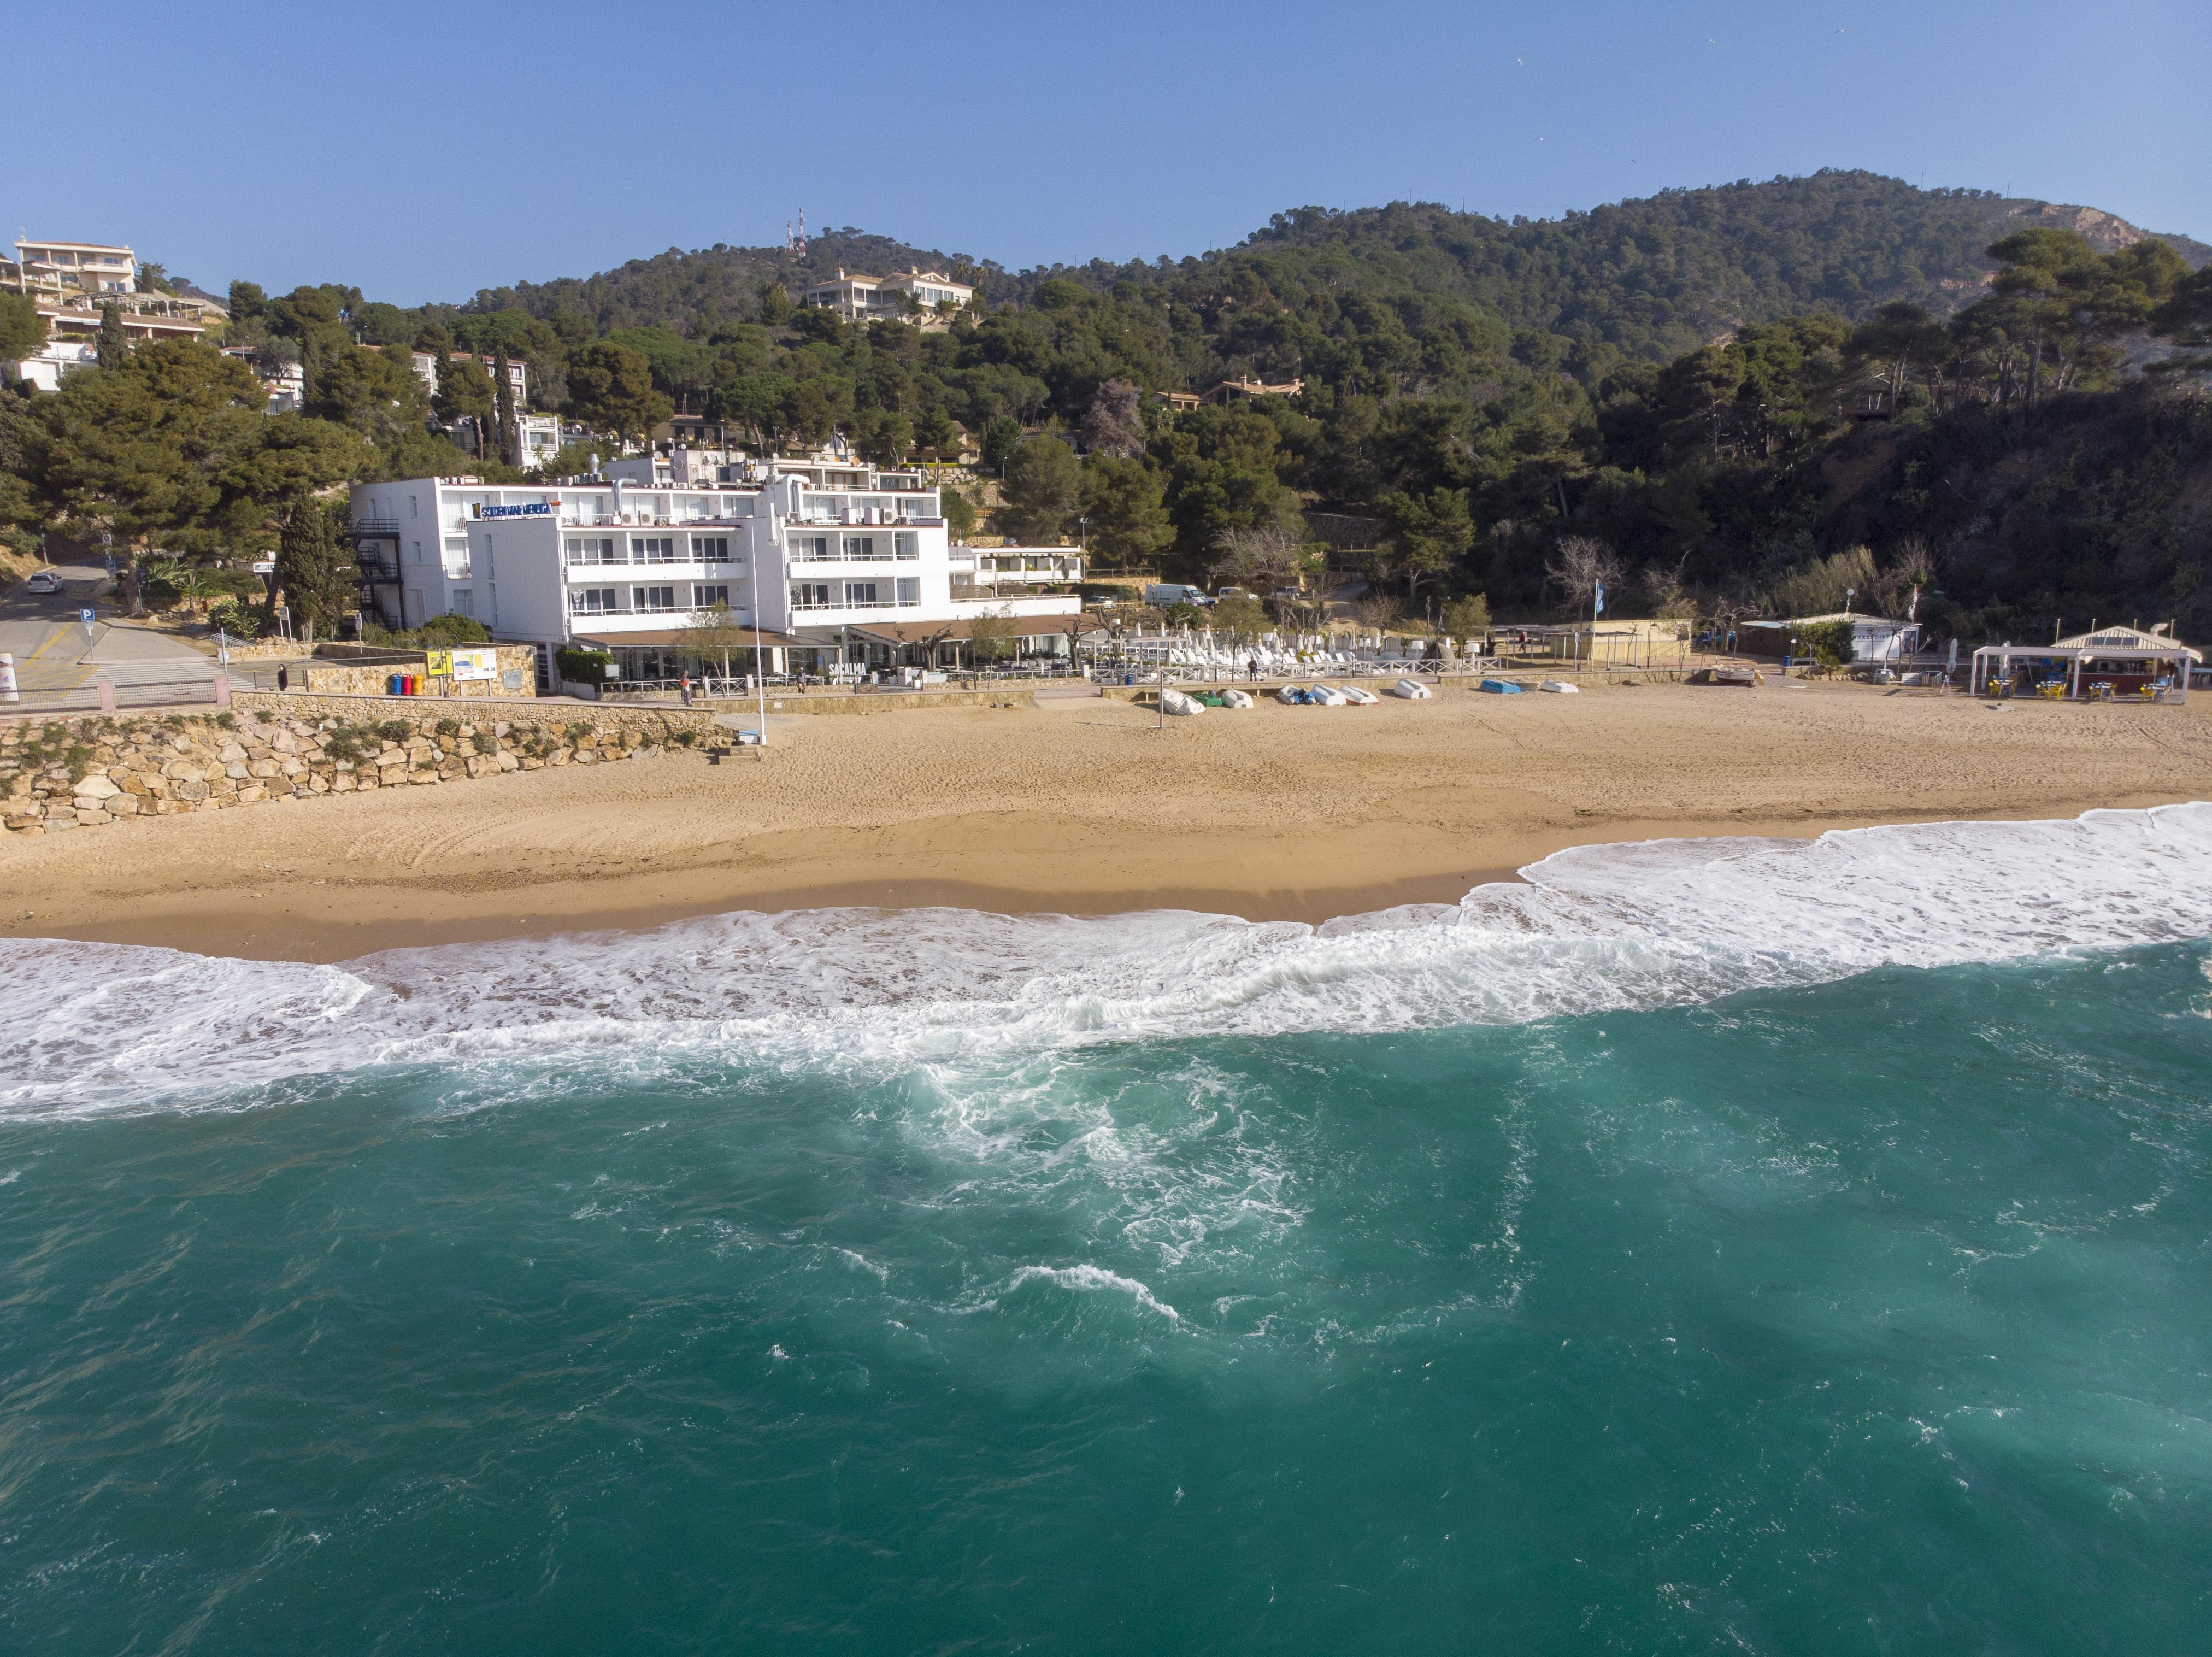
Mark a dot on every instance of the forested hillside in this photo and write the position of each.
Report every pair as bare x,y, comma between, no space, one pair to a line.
1753,397
1651,276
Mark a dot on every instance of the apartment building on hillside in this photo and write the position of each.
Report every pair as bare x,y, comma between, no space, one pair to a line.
536,437
836,565
72,282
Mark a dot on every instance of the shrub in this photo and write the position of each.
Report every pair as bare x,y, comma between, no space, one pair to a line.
1828,642
346,743
395,730
583,666
441,631
578,731
240,620
448,728
685,739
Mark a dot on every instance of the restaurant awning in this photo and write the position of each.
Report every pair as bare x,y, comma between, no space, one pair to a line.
670,637
919,632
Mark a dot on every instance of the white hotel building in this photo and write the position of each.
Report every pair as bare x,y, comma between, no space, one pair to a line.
852,566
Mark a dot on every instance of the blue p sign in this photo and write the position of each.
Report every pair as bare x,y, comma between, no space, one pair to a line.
85,615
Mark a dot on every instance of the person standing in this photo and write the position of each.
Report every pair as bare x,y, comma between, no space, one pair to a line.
283,677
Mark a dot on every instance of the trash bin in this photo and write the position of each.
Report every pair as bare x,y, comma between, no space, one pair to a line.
395,686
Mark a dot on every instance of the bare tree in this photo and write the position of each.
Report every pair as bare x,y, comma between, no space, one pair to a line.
1670,598
1911,573
1262,558
1379,610
712,635
1114,421
1580,565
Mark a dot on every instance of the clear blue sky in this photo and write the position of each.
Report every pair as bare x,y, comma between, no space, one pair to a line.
423,151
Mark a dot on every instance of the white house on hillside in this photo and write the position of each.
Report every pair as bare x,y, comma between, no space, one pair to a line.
867,298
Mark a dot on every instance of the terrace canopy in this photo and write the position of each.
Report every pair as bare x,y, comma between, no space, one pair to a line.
2124,669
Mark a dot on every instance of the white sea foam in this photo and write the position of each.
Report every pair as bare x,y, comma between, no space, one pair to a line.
101,1028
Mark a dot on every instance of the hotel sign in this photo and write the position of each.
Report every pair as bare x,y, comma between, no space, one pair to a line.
537,509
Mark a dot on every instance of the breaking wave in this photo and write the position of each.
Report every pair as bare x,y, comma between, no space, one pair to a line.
98,1027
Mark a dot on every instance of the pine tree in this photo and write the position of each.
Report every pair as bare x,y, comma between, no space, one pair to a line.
314,567
114,344
504,408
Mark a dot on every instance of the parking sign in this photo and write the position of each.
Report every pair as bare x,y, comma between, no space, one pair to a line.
85,615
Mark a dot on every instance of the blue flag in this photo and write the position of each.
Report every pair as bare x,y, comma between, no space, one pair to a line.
1597,601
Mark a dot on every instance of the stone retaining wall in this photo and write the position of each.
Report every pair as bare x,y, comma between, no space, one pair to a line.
88,771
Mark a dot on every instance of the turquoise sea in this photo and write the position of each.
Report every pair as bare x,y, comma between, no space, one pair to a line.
1720,1246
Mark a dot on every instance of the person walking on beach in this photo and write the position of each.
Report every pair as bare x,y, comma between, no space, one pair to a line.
685,685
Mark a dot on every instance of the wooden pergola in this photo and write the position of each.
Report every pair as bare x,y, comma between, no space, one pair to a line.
1994,663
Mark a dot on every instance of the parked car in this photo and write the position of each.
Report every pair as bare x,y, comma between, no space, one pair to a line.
1235,593
43,581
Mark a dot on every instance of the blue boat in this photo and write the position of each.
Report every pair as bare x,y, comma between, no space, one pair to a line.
1499,686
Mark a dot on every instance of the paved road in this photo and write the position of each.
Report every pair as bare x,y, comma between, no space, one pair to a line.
55,653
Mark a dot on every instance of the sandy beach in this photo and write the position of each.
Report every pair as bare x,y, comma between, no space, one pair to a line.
1083,806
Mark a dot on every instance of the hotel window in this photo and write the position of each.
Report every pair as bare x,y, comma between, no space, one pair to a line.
859,592
653,597
595,600
907,544
591,548
809,549
704,597
859,546
909,589
810,595
464,601
711,549
653,549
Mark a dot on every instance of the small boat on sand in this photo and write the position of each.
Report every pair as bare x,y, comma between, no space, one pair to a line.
1176,703
1500,687
1236,699
1560,687
1358,695
1412,690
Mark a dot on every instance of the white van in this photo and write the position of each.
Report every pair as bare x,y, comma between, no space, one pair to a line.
1167,593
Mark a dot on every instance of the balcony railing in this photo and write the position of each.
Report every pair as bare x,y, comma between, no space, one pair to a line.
846,604
579,613
836,556
642,563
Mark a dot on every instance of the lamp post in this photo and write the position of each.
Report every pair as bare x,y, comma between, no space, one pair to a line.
760,655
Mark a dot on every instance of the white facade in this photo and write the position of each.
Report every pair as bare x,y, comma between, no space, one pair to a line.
867,298
619,563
